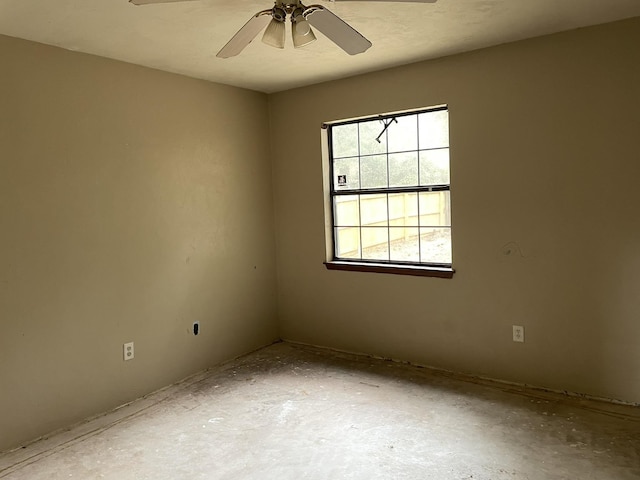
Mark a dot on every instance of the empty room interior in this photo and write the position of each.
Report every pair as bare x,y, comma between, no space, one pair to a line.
184,218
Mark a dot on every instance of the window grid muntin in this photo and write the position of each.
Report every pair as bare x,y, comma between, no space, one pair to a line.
388,190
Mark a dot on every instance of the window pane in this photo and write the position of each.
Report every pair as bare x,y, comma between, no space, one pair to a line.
403,169
435,209
434,167
373,210
404,244
369,131
435,245
346,173
434,129
403,135
375,243
403,209
373,171
345,140
347,211
347,242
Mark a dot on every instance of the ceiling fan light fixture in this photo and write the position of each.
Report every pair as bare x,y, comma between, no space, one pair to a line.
274,34
299,39
301,30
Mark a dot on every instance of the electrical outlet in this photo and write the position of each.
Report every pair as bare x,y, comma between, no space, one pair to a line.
128,351
518,333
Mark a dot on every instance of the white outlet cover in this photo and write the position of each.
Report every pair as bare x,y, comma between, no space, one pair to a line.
518,333
127,351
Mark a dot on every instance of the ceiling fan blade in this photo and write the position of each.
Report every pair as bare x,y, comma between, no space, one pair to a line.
148,2
336,29
246,34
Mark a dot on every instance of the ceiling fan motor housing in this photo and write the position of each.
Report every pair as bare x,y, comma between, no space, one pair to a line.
279,13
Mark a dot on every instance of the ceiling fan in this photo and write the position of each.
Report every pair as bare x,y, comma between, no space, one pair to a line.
302,18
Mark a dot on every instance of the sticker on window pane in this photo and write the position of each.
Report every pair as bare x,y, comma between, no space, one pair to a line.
346,173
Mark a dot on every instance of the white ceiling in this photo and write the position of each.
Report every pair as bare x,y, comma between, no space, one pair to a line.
185,37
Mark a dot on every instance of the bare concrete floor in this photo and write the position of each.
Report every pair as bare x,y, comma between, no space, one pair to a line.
292,412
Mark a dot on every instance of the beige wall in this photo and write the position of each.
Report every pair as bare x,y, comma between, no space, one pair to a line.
132,203
545,156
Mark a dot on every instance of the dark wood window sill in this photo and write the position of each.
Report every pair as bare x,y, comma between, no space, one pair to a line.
415,270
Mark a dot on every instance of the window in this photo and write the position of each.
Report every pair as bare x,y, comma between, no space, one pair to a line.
390,193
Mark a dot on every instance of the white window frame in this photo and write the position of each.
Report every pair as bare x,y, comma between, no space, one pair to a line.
441,269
